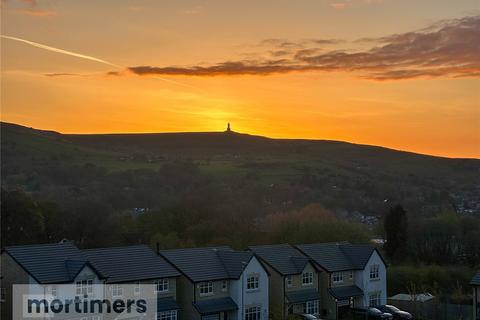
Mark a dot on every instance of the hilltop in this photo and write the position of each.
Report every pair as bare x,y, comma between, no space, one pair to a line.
348,178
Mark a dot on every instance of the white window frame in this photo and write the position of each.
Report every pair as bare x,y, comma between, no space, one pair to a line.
162,286
374,272
253,312
117,290
312,307
350,275
84,287
337,277
289,281
205,288
253,282
225,285
374,299
53,291
136,289
167,315
307,278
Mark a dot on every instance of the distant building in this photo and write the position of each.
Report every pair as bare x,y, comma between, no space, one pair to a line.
476,296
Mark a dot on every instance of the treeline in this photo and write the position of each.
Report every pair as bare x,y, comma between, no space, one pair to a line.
93,224
444,239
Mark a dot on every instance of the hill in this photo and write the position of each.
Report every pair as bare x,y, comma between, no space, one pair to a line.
274,174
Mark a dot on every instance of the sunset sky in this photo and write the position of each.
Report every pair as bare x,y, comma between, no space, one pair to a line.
404,74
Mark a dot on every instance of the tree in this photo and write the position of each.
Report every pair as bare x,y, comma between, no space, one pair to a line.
396,230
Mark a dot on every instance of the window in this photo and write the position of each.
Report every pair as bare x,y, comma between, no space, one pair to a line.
84,287
136,289
252,282
253,313
53,291
350,275
374,299
289,281
167,315
307,278
2,294
374,272
117,290
311,307
337,277
224,285
206,288
161,286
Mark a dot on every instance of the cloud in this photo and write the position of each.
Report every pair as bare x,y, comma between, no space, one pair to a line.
447,49
39,13
344,4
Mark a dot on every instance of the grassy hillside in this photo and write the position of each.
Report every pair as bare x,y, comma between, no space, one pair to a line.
278,173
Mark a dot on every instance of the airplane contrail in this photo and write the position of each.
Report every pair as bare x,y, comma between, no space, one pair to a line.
83,56
53,49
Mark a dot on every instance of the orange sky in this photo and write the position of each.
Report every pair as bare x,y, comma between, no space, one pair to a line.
292,69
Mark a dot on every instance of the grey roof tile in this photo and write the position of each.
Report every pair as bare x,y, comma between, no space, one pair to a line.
49,263
284,258
338,256
206,264
130,263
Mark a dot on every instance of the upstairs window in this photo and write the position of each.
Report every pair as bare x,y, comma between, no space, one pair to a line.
136,289
252,282
350,275
337,277
307,278
224,285
374,272
161,286
117,290
206,288
289,281
84,287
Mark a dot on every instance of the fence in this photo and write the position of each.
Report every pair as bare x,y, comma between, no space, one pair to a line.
434,310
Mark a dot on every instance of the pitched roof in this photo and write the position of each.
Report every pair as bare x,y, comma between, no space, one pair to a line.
131,263
476,280
50,263
205,264
284,258
339,256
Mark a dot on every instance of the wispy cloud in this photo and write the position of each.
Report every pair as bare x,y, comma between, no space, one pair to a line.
447,49
344,4
57,50
39,13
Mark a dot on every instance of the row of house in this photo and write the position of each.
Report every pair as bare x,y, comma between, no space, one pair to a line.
214,283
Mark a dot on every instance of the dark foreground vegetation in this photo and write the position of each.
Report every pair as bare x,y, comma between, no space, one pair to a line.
216,188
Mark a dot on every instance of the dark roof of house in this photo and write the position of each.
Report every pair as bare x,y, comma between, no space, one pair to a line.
301,296
283,258
345,292
205,264
339,256
131,263
51,263
215,305
476,280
